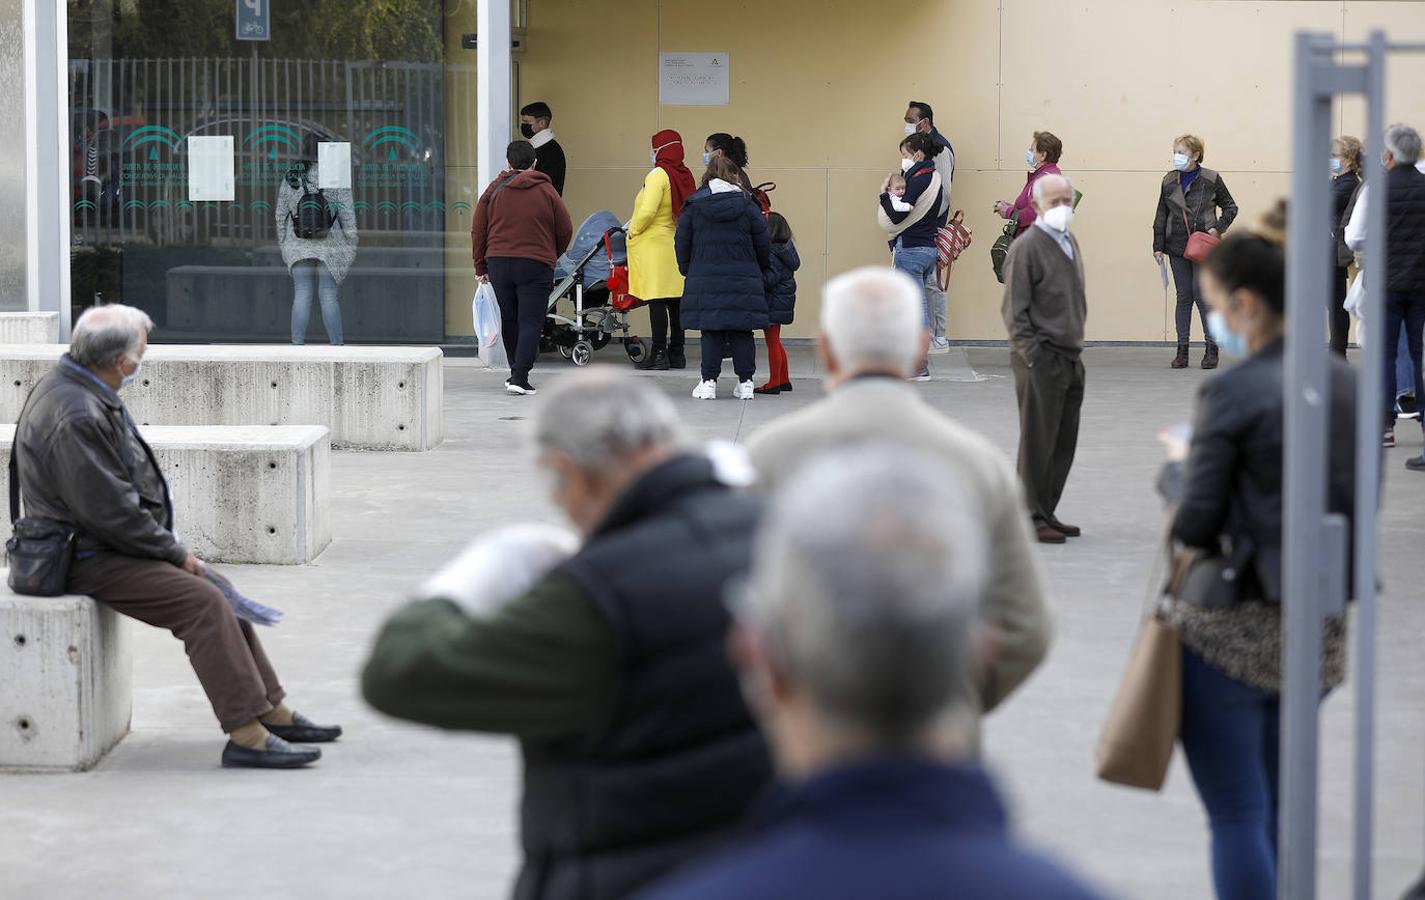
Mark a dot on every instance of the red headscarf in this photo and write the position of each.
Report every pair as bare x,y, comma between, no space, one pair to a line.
670,160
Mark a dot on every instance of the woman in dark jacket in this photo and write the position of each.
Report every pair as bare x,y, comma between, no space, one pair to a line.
1193,198
724,253
781,301
913,248
1345,185
1230,503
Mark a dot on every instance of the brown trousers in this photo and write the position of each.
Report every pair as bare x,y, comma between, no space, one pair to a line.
1050,395
224,651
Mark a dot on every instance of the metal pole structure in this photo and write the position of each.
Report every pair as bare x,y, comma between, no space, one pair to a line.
1306,433
47,193
1370,403
492,89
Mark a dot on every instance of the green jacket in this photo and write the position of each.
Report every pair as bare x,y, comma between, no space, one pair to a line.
543,667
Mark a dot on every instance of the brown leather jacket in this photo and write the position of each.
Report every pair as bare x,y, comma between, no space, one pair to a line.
82,462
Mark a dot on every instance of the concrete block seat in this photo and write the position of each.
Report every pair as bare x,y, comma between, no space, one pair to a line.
67,672
29,327
241,494
371,398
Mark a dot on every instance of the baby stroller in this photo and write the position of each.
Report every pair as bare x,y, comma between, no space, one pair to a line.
591,278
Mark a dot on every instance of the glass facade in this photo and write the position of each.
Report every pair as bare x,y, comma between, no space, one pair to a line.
216,239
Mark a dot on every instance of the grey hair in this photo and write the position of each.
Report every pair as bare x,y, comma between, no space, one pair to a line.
1038,190
1403,142
106,335
872,318
866,586
600,417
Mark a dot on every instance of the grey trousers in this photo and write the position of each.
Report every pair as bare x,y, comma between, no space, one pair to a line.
1050,396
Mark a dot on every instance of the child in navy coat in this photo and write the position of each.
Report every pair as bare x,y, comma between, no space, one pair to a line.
781,281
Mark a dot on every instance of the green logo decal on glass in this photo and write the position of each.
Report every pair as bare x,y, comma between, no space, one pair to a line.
275,138
153,134
460,207
395,136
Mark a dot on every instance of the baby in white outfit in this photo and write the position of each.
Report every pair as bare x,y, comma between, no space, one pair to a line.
897,193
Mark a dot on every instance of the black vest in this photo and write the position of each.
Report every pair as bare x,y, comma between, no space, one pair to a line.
683,760
1405,229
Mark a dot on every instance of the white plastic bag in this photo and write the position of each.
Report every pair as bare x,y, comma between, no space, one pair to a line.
1355,300
486,313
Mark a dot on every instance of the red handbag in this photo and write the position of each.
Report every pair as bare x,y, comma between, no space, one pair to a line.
617,283
1200,243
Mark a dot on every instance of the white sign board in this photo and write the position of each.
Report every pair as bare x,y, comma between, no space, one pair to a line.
692,79
210,168
333,166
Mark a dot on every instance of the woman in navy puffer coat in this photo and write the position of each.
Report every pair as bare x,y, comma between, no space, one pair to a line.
724,253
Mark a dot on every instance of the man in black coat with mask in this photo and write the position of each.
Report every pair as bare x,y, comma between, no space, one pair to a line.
548,155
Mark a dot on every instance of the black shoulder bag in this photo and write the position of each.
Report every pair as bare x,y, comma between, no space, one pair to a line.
39,551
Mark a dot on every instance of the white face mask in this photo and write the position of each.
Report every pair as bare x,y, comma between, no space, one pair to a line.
1030,161
1180,161
1059,218
132,376
910,128
906,164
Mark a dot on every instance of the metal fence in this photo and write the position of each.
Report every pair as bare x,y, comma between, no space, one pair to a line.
130,120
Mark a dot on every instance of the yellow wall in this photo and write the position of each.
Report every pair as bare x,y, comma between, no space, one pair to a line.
819,87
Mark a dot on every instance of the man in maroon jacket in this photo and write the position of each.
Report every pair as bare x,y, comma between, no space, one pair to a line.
521,227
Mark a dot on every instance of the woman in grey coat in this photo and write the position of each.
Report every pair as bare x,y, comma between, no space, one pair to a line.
318,263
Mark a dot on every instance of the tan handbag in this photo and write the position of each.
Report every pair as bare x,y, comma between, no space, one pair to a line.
1136,746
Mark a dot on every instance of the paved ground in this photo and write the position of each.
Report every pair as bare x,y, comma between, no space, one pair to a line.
404,810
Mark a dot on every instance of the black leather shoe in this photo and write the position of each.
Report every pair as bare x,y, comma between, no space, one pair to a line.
657,361
1065,530
278,755
677,358
304,731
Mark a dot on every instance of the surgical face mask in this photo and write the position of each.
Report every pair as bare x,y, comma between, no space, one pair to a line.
527,130
1059,218
1230,341
1180,161
911,128
132,376
906,164
1029,160
1335,165
653,154
707,158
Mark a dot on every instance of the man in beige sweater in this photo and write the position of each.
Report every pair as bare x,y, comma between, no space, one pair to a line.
1044,311
872,339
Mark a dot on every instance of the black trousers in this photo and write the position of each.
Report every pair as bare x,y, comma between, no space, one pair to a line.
664,317
1407,307
1050,395
1340,320
522,289
744,354
1189,292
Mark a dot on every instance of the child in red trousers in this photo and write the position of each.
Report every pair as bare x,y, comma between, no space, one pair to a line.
781,301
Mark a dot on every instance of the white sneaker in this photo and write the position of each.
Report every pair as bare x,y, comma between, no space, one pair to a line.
706,390
939,346
744,391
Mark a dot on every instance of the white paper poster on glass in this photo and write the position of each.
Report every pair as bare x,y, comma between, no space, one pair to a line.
334,166
210,168
692,79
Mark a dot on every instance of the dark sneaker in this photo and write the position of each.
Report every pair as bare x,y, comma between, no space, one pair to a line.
278,755
520,387
1415,464
676,358
305,731
1389,440
657,361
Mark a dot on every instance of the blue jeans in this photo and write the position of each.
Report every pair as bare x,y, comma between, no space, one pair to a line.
305,274
1231,740
919,264
939,308
1404,371
1404,311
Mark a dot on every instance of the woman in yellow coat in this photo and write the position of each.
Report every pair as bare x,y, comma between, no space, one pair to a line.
652,267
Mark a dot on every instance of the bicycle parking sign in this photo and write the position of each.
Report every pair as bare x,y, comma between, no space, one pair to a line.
253,20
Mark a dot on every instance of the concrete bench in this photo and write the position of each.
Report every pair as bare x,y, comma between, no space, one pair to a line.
29,327
241,494
371,398
67,671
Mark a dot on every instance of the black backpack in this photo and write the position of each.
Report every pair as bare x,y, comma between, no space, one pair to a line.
313,219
